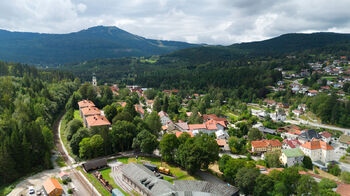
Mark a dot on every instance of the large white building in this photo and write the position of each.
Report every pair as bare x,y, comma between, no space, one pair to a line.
318,151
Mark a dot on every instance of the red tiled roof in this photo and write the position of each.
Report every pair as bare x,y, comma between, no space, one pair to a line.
313,91
196,126
85,103
90,111
325,87
207,117
265,143
221,142
292,143
97,120
326,134
317,144
178,133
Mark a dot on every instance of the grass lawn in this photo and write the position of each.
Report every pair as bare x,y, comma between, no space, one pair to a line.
77,115
327,175
255,108
330,78
232,116
178,172
105,173
95,182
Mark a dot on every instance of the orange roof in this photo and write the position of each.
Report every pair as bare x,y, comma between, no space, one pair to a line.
139,109
317,144
221,142
260,167
150,101
211,124
97,120
313,91
207,117
85,103
123,104
164,127
297,132
196,126
178,133
51,185
88,111
265,143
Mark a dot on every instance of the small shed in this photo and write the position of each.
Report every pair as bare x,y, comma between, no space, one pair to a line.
94,164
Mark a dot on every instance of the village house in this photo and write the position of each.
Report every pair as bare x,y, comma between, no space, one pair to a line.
292,156
179,133
344,141
297,113
290,143
221,134
262,146
149,103
222,143
326,136
278,116
164,118
85,104
291,135
139,109
52,187
312,93
97,121
269,102
318,151
308,135
89,111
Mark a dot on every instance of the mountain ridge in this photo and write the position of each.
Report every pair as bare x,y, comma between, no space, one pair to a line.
88,44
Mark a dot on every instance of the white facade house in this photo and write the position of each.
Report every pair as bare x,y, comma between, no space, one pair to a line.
318,150
164,118
292,156
221,134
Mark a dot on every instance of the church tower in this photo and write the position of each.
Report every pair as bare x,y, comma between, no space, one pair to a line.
94,80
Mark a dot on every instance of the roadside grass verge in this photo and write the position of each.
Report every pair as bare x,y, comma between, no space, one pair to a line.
64,137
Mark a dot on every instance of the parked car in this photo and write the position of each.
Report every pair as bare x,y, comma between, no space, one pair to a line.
31,190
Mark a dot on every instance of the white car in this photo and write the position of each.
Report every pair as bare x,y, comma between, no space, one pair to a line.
31,190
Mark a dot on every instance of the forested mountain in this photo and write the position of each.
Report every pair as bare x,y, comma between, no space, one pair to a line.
282,45
93,43
30,100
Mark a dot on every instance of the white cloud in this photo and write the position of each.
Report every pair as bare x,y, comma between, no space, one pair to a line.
199,21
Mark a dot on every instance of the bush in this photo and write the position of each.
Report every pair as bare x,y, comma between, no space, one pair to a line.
345,177
70,191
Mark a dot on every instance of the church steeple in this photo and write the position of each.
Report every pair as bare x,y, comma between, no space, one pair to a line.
94,80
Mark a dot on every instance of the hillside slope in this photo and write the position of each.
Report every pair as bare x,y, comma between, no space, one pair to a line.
93,43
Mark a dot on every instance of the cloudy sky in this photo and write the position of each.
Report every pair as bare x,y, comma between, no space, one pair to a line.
197,21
